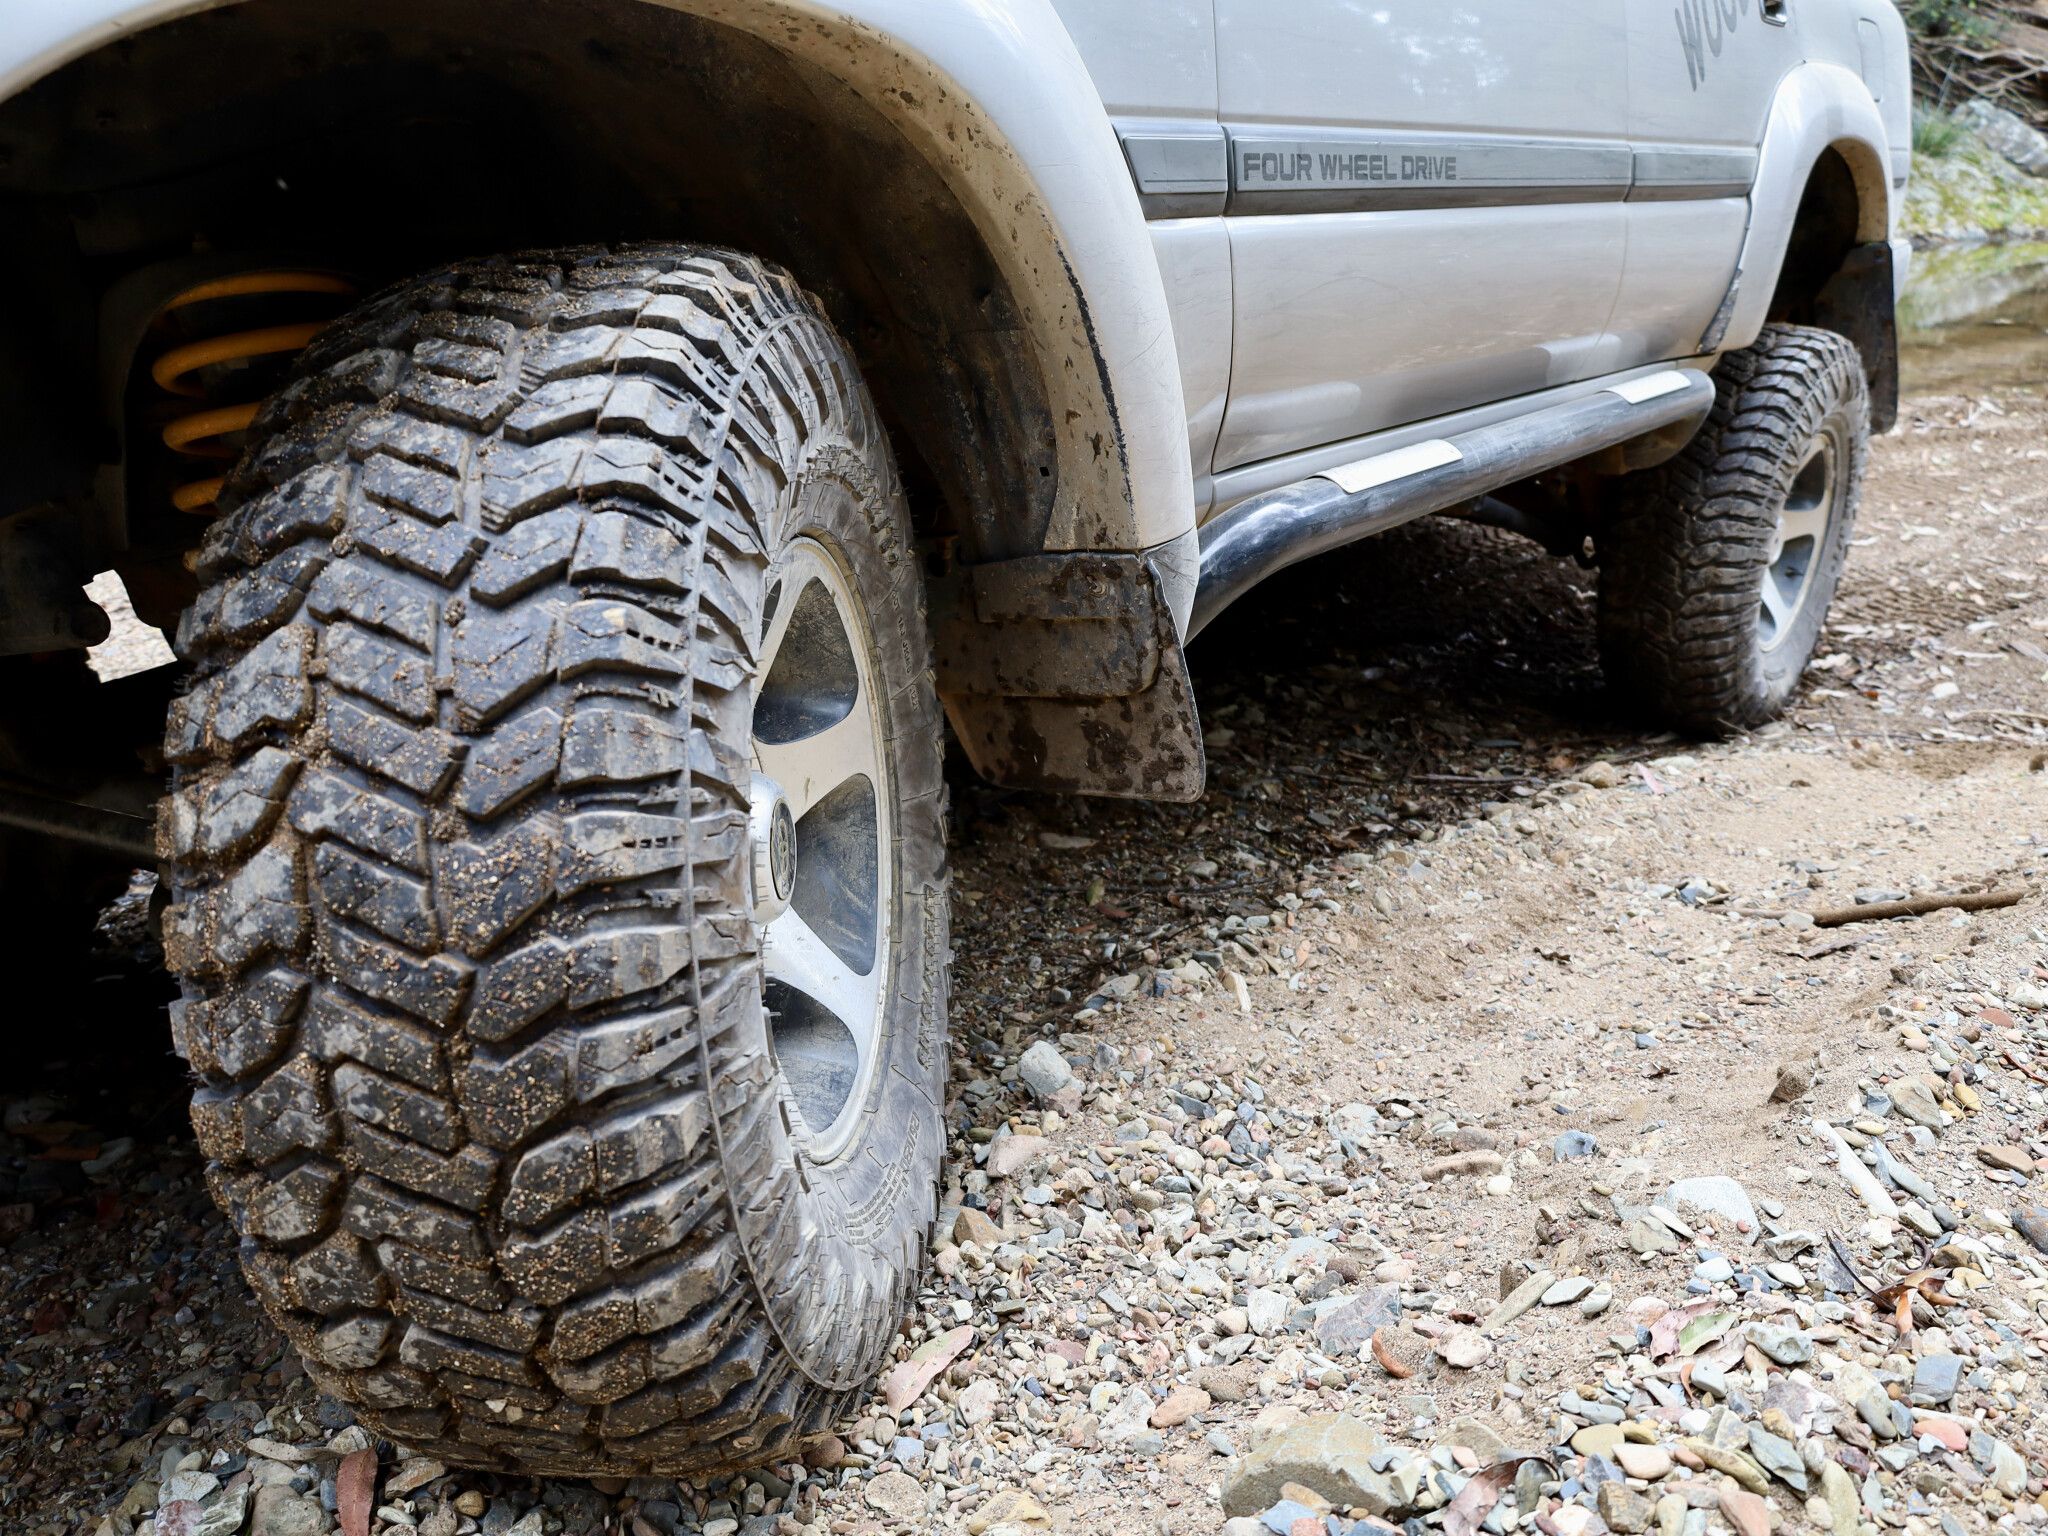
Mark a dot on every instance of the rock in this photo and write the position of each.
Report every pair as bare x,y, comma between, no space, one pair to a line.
1596,1412
1716,1194
416,1473
977,1401
1787,1346
1394,1272
1596,1303
1778,1457
2008,1470
1401,1352
1461,1165
1915,1101
2007,133
1600,775
1624,1509
1943,1429
1569,1289
1477,1436
1128,1420
1518,1301
1307,1498
1267,1310
1936,1377
1650,1237
1044,1070
1597,1440
1329,1453
1671,1511
1347,1329
1008,1154
1272,1420
1462,1348
1795,1081
1649,1462
1179,1405
1225,1384
2012,1159
280,1512
1746,1512
1839,1489
1244,1525
1790,1244
1009,1506
472,1503
1574,1144
971,1226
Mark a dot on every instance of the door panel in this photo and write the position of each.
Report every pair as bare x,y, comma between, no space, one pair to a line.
1426,207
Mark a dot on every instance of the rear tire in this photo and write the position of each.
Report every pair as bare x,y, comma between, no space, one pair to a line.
1717,567
470,905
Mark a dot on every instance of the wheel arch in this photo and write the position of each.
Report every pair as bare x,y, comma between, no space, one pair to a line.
1053,417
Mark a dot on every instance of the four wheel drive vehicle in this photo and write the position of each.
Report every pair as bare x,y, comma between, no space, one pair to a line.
585,447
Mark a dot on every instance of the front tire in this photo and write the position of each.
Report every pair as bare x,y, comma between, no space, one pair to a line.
1718,566
560,888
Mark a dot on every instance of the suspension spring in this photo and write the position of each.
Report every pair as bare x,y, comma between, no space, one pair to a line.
203,434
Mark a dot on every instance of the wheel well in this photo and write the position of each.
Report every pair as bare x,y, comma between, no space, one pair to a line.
379,137
1824,231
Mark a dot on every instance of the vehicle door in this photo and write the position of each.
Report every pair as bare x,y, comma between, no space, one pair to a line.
1701,77
1426,207
1154,63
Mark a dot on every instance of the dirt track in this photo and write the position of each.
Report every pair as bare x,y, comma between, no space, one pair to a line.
1396,734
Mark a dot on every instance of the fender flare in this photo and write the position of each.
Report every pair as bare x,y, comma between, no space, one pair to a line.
1817,107
1001,105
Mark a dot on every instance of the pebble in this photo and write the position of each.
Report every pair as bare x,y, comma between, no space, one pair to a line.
1649,1462
1567,1290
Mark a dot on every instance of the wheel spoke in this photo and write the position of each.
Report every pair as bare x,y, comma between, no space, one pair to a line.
1777,610
1798,523
809,769
793,954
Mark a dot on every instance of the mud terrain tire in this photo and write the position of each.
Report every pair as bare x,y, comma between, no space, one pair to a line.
465,896
1717,567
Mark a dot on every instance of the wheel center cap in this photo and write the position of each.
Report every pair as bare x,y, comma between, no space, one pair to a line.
773,833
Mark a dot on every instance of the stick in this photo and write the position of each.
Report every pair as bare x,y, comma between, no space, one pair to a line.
1876,911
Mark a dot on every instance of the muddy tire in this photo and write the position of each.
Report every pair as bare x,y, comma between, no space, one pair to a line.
482,872
1717,567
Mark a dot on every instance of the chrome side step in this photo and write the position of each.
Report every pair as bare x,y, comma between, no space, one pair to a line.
1269,532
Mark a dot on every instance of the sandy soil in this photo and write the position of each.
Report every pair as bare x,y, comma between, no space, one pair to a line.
1431,911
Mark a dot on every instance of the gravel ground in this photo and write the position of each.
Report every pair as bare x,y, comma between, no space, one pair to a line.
1455,974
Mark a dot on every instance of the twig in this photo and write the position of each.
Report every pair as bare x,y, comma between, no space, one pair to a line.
1871,912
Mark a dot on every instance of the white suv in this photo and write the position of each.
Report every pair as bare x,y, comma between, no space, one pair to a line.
586,448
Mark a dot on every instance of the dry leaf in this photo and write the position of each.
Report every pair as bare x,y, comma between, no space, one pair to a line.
355,1491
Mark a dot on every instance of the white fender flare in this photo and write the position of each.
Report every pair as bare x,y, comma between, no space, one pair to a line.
998,101
1817,107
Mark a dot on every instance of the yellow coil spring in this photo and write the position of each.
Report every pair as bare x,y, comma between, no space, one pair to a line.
200,434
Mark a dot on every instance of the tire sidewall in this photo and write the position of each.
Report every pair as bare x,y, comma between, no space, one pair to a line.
1776,672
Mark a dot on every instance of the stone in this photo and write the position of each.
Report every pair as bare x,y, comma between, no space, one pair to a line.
1778,1457
1649,1462
1008,1154
1574,1144
1009,1506
1795,1081
1307,1498
1746,1512
1328,1452
1717,1195
473,1504
1839,1489
1790,1244
1597,1302
2011,1159
828,1451
1518,1301
1346,1330
1569,1289
1272,1420
1473,1165
1915,1101
2007,133
1624,1509
1267,1310
1394,1272
977,1401
1597,1440
2008,1470
1671,1511
1648,1237
1462,1348
971,1226
1128,1420
1244,1525
416,1473
1043,1070
1937,1376
1787,1346
1941,1428
896,1494
280,1512
1401,1352
1180,1405
1477,1436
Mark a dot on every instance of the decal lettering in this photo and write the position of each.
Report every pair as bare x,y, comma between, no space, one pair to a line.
1702,27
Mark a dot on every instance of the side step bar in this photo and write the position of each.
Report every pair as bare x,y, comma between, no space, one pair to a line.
1269,532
